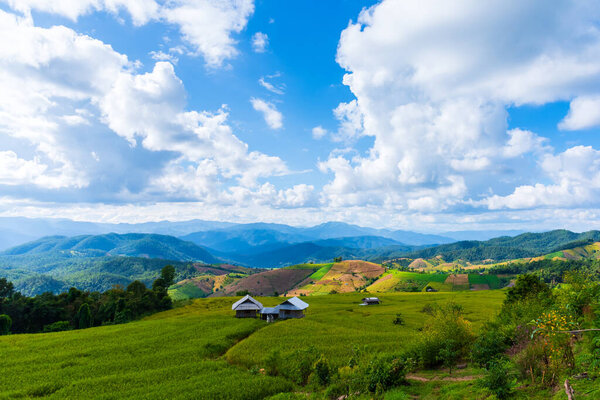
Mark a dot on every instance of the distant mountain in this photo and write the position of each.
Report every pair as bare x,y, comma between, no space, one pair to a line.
504,248
19,230
112,244
254,239
317,252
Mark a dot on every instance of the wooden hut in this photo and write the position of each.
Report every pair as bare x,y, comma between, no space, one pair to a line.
368,301
292,308
246,307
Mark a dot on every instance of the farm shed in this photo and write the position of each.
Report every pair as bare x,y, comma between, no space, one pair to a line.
291,308
246,307
367,301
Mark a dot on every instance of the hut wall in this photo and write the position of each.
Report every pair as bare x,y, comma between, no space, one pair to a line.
245,314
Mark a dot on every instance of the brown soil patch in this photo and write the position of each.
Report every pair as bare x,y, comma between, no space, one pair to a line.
458,279
480,286
419,263
268,282
368,269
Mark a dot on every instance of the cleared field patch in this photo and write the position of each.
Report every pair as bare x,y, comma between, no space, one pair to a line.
458,281
491,280
268,283
343,277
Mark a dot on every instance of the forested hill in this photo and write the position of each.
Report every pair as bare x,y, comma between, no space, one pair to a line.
505,247
112,244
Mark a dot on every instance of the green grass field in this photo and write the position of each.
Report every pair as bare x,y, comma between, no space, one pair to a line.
492,280
202,351
186,290
320,273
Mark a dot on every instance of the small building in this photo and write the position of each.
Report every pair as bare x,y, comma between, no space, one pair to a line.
291,308
246,307
269,314
367,301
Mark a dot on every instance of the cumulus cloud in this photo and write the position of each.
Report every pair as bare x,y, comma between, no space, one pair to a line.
584,112
432,83
575,176
53,81
207,25
272,117
260,41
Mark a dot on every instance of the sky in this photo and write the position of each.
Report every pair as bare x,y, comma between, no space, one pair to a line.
406,114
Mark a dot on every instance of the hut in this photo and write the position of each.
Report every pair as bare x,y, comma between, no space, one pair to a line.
246,307
367,301
292,308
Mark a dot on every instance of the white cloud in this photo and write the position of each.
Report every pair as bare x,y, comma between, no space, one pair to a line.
575,175
151,107
141,11
260,41
162,56
279,89
207,25
432,83
319,132
584,112
54,80
273,118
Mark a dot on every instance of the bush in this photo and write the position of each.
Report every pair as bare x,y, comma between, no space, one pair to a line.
445,337
399,320
498,380
58,326
385,372
5,324
488,346
322,371
242,292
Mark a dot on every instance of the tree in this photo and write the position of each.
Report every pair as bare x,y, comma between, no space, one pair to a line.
337,259
527,286
5,324
84,317
168,275
6,288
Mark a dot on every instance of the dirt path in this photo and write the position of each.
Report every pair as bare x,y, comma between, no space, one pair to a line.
466,378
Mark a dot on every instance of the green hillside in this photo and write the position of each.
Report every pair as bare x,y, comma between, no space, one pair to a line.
202,351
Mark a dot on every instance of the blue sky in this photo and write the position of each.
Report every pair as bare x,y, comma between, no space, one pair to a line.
397,113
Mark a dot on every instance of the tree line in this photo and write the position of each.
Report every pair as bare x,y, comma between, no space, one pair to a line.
76,309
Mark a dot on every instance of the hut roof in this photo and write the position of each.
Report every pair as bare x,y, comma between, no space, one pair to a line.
246,303
270,310
366,299
293,304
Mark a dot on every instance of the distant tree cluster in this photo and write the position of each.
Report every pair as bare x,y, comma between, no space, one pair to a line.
76,309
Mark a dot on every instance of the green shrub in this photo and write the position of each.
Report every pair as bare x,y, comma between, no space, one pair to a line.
385,372
488,346
399,320
5,324
498,380
445,336
322,371
58,326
